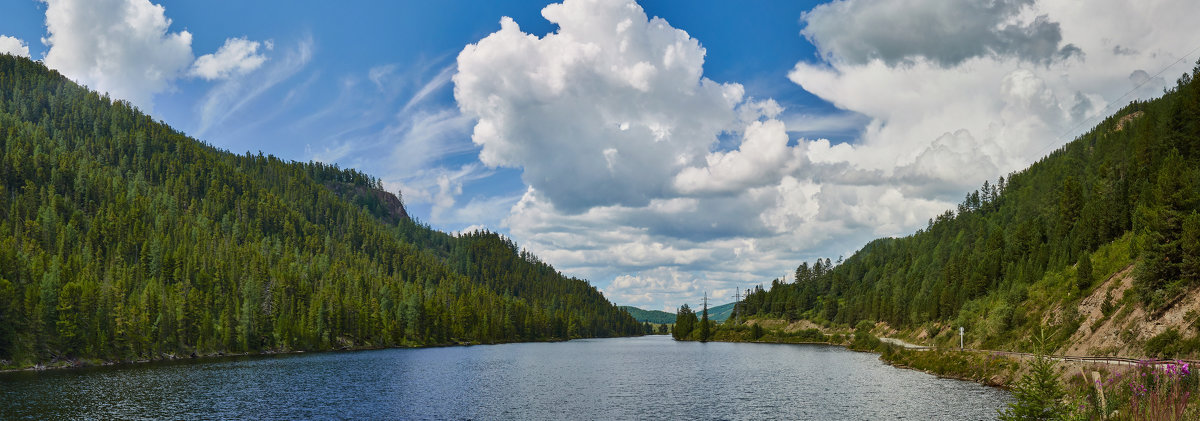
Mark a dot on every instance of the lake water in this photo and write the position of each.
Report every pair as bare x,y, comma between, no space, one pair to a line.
624,378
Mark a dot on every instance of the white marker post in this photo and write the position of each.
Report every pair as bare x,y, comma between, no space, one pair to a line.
960,338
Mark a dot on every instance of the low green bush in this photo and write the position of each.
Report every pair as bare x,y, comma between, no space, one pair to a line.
1166,344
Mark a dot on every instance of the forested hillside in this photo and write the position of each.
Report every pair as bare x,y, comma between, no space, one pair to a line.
124,239
1125,193
652,316
721,313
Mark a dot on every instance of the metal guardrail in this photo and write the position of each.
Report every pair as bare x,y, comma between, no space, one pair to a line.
1094,359
1070,358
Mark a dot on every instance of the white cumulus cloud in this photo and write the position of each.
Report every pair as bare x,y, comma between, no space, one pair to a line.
127,49
123,47
659,183
14,46
763,155
618,135
652,286
617,98
951,121
236,56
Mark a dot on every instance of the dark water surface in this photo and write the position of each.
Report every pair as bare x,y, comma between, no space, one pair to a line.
626,378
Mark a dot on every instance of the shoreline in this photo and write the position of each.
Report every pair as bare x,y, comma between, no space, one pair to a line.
1006,385
85,363
996,381
999,369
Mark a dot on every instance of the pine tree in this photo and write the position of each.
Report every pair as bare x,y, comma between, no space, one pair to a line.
1038,395
1173,196
1083,272
1190,248
685,322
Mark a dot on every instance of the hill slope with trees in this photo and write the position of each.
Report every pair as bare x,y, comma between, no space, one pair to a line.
1020,253
721,313
650,316
125,239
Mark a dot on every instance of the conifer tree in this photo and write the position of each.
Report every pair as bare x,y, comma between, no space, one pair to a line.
1038,395
1083,272
685,323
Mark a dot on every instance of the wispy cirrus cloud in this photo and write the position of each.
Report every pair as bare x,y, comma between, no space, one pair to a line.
386,121
435,84
229,97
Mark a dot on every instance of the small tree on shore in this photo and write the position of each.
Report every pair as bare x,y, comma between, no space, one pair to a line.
756,332
1038,394
685,321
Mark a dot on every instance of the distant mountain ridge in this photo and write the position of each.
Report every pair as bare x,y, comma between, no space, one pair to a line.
719,313
652,316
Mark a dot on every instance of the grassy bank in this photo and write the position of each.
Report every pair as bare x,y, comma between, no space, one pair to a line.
988,369
1066,390
992,370
1061,390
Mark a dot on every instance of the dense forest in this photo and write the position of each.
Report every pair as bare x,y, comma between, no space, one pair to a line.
125,239
1129,185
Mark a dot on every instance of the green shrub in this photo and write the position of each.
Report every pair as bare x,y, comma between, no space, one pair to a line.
932,332
811,335
966,365
863,326
1000,320
1107,306
1166,344
756,332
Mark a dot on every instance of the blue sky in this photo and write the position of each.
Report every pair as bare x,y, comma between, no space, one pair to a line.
660,149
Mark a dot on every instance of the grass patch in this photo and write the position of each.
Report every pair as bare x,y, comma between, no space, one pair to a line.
988,369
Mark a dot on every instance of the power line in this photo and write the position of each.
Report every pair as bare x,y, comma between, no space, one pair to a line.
1104,112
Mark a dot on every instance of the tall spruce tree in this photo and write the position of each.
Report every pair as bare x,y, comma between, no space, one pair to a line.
1173,198
1083,272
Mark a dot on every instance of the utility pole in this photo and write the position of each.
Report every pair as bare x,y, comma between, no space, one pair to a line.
737,300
